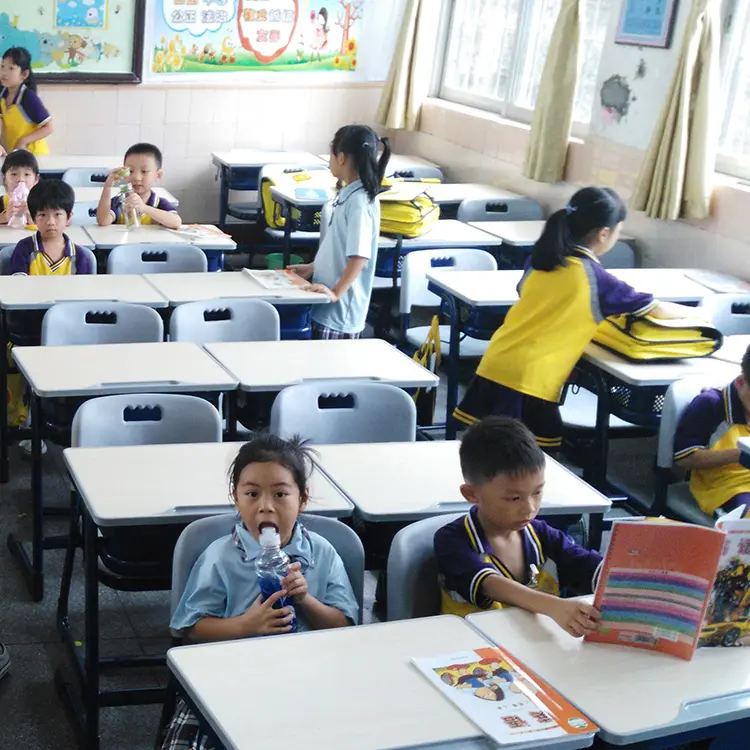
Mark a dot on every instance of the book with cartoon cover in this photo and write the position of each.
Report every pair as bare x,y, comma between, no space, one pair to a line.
509,703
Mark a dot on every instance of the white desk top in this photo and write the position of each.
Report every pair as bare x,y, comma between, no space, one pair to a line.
408,481
177,367
447,233
10,236
61,162
398,162
179,288
288,193
41,292
273,365
92,194
360,688
733,349
250,157
105,238
455,192
518,233
669,284
632,694
170,483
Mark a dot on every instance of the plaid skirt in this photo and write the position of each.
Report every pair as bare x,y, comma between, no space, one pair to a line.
321,332
184,731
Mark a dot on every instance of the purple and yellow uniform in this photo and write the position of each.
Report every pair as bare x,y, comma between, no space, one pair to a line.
465,559
154,201
714,421
29,259
23,116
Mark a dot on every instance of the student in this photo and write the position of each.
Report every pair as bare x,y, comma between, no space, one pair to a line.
494,556
4,661
19,166
144,161
564,295
705,444
222,599
26,122
344,266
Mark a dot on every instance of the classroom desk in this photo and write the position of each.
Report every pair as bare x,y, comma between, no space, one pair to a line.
733,348
54,165
398,163
89,371
409,481
77,234
450,195
514,233
92,194
395,706
632,694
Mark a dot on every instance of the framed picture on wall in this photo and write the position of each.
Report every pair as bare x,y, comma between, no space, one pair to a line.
78,41
646,23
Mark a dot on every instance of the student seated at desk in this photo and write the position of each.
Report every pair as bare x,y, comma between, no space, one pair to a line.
222,598
144,161
495,555
705,444
19,166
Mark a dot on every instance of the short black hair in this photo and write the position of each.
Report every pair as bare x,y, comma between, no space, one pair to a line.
746,365
21,158
499,445
145,148
51,194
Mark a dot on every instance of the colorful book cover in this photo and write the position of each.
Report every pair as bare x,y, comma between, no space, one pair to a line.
505,700
655,584
312,194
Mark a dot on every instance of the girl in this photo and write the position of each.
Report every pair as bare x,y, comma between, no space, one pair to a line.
345,264
222,599
563,296
26,122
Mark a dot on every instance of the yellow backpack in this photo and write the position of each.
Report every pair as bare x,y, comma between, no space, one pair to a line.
272,211
406,209
428,355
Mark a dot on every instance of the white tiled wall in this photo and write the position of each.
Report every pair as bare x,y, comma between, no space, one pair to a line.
189,122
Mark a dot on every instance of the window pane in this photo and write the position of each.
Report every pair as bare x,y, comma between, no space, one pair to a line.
594,19
735,137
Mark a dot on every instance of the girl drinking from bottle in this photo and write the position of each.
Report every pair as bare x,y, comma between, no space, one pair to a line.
222,597
564,295
25,121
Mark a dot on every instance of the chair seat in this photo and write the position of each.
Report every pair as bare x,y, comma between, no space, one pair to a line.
468,347
312,238
682,505
381,282
579,411
245,211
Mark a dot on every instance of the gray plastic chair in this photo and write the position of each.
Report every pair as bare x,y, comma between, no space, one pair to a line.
80,323
157,258
145,419
208,321
622,255
417,172
413,589
6,253
82,177
507,209
730,313
199,535
84,213
345,411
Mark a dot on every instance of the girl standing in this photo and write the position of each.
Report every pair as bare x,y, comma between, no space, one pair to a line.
25,121
344,266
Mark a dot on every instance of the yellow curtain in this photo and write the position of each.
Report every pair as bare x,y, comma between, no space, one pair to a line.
553,111
411,68
676,178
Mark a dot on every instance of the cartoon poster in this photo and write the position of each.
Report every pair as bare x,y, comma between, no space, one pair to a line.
216,36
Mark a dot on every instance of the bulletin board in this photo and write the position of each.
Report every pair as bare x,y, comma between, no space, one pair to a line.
85,41
231,36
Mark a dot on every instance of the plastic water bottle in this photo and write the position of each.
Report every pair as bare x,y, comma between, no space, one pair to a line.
124,189
271,567
19,219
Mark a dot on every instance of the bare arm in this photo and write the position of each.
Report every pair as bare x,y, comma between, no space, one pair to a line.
672,311
37,135
706,459
353,268
104,209
217,629
320,615
168,219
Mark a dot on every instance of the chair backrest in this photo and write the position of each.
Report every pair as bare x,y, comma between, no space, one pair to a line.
413,589
82,177
199,535
730,313
513,209
344,411
157,258
6,253
417,172
209,321
84,213
145,419
414,291
622,255
77,323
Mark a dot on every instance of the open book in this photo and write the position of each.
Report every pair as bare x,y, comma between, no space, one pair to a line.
276,279
510,704
663,585
201,232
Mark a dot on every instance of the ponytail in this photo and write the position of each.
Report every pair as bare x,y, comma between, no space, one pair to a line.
590,210
360,144
20,56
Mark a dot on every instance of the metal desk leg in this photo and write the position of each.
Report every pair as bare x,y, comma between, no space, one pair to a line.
454,308
231,401
596,526
4,460
595,473
287,253
91,681
223,196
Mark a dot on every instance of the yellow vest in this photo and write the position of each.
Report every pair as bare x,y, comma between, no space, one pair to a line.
15,126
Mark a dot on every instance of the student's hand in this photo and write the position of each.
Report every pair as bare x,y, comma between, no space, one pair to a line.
263,619
3,152
295,583
22,142
135,202
321,289
575,617
304,270
112,177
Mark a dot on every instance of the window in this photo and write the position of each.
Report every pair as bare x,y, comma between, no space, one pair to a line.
496,51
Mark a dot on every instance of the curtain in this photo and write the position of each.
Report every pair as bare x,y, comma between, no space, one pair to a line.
553,113
410,73
676,178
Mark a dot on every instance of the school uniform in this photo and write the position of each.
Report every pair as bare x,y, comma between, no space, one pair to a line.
465,560
714,421
29,259
350,226
23,116
154,201
532,354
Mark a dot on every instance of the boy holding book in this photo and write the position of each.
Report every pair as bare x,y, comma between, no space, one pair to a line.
495,555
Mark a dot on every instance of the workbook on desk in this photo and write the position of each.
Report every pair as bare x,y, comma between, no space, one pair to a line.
509,703
276,279
656,590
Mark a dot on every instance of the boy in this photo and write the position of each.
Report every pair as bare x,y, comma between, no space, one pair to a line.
144,162
493,556
19,166
705,444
